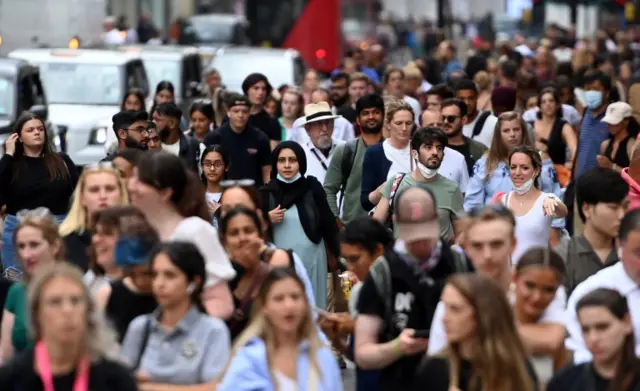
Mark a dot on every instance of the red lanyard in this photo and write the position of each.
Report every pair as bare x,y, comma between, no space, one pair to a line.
44,368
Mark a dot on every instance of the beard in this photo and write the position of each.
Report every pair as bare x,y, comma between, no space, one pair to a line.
429,163
129,142
376,129
453,133
339,101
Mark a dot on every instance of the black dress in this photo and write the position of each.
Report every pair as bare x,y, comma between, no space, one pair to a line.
621,159
104,375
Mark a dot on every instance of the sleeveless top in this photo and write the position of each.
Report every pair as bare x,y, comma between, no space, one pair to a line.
557,148
532,228
125,305
622,158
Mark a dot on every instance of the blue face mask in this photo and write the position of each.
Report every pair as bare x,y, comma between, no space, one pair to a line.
131,251
593,99
283,179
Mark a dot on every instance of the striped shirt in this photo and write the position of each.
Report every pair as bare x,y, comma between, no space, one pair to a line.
592,133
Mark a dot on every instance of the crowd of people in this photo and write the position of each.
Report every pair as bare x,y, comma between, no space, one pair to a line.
438,226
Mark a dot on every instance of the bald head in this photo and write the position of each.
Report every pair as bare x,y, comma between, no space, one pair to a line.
431,118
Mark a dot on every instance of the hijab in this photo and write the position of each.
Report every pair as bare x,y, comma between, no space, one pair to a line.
287,194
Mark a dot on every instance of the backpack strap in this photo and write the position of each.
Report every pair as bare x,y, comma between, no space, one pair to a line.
348,159
394,189
477,128
380,272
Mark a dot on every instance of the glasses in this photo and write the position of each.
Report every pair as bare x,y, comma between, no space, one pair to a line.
240,183
141,129
211,165
37,213
449,118
203,101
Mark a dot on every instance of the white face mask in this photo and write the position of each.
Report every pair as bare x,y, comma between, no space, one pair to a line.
523,188
426,171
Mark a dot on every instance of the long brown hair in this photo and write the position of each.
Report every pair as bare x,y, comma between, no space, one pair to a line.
498,151
500,360
534,156
56,166
629,365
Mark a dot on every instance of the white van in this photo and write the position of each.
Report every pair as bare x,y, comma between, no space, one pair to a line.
85,88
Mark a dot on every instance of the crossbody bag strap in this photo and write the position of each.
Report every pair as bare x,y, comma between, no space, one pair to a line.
145,341
322,163
240,311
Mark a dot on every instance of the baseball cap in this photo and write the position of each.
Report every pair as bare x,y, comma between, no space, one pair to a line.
617,112
236,99
416,215
124,119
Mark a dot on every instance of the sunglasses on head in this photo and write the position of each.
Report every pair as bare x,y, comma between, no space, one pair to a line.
37,213
449,118
240,183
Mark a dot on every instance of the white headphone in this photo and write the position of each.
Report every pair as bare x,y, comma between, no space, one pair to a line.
191,288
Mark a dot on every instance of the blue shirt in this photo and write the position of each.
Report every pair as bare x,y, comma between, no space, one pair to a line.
249,369
480,191
592,133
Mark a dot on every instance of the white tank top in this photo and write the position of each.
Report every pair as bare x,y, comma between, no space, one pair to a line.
532,228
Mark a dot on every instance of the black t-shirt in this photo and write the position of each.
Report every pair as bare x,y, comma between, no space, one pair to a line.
466,152
582,377
348,112
125,305
269,125
434,371
414,304
104,375
248,151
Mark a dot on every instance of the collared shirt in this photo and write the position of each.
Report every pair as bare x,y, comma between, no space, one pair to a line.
317,162
592,133
582,261
613,277
194,352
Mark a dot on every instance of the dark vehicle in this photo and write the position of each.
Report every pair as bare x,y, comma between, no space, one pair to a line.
181,65
219,29
20,90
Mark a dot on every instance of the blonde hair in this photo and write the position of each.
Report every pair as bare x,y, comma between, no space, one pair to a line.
260,326
500,357
482,80
394,105
412,71
48,227
77,219
99,340
498,151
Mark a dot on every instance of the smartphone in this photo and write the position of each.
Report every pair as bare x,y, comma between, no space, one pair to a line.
421,334
321,312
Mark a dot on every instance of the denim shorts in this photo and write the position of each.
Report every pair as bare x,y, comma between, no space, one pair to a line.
10,264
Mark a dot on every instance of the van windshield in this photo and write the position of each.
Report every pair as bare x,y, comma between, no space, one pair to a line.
86,84
162,70
7,96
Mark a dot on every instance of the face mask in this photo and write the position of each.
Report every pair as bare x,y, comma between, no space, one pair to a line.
593,99
426,171
283,179
523,188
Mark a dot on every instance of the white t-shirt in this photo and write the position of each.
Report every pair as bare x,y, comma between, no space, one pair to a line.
554,313
569,114
205,237
213,197
174,148
400,159
486,133
454,167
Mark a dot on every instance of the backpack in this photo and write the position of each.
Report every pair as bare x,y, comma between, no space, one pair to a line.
477,128
348,158
380,273
392,195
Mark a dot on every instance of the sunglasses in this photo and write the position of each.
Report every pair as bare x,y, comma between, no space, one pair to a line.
37,213
240,183
449,118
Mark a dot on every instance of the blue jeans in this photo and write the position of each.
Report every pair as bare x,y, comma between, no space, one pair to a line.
12,267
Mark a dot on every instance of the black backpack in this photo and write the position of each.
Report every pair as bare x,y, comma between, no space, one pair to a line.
348,158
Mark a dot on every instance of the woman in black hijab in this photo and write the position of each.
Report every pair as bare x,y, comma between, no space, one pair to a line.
301,217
